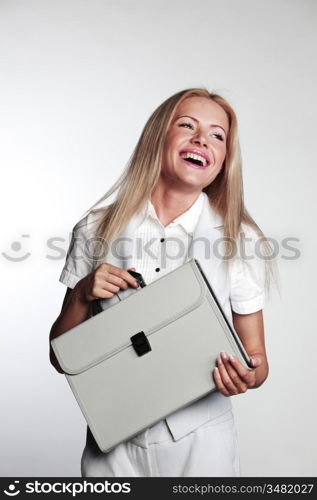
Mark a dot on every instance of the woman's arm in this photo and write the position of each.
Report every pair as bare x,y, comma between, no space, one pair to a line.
250,328
231,377
102,283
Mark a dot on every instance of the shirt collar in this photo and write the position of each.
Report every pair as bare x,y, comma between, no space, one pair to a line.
187,220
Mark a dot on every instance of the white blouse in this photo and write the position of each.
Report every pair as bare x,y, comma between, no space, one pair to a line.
157,250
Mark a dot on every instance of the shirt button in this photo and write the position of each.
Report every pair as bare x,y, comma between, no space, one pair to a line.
157,269
162,239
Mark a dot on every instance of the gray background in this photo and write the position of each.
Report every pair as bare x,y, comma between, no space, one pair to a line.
78,81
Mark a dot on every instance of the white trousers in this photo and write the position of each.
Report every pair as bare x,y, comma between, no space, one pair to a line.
208,451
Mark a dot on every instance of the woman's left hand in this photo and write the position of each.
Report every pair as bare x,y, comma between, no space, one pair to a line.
232,377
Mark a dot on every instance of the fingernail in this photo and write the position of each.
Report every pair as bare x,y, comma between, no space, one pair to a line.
224,355
219,360
232,358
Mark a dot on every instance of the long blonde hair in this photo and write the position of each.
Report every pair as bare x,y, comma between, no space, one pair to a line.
140,176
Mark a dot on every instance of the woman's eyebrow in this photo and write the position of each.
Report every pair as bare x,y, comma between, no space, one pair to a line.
195,119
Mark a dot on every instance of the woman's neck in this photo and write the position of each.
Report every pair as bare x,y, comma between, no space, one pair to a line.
169,203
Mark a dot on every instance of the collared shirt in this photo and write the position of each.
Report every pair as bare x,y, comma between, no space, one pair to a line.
149,253
242,291
160,249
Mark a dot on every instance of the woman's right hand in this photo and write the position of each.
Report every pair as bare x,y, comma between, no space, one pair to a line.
104,282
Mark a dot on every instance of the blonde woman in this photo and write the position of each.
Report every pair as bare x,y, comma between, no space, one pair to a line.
183,185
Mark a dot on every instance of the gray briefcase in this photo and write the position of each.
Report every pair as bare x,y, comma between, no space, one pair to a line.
147,356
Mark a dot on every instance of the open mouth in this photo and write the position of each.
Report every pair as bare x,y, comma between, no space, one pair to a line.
194,159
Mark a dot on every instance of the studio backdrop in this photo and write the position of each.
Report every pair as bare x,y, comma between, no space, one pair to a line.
79,79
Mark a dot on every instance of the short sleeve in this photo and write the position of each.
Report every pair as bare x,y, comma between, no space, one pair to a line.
247,274
80,255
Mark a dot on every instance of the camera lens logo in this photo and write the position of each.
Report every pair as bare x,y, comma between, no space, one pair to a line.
16,247
12,490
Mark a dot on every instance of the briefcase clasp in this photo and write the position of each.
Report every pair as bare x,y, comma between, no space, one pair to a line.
140,343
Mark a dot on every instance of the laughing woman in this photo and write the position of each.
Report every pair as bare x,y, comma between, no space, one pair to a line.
183,182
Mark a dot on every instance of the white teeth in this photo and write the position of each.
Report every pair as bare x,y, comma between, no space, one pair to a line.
195,157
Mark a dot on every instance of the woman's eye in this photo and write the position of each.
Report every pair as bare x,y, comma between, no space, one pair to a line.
187,125
218,136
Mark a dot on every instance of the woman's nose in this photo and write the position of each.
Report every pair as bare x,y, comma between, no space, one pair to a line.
200,140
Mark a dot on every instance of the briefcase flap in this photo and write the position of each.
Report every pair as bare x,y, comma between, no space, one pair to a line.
147,310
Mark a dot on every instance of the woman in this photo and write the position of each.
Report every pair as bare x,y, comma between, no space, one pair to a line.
183,183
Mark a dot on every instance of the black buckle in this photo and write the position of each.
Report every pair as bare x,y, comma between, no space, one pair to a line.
140,343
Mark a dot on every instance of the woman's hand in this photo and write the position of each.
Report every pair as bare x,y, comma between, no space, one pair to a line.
104,282
232,377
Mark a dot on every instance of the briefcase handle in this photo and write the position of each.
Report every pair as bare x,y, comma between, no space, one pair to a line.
96,305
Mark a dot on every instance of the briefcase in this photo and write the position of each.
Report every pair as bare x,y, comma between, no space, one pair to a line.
147,356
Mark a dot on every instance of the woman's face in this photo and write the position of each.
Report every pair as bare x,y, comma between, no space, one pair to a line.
195,145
